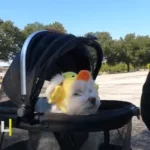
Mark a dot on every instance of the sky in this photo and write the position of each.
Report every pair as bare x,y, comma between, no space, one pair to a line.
118,17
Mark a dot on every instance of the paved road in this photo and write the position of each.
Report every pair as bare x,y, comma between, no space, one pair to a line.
125,87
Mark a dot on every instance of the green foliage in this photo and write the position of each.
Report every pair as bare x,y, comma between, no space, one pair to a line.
132,50
57,26
147,66
12,38
125,54
32,27
118,68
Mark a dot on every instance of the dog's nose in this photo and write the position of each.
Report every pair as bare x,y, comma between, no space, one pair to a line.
92,100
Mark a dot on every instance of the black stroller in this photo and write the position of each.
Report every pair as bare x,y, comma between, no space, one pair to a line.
44,54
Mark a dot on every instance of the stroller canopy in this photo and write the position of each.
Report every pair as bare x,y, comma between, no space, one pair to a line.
48,53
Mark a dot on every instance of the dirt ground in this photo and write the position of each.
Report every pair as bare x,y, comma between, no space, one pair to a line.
124,87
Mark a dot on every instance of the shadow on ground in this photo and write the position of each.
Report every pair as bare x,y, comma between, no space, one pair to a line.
141,141
140,135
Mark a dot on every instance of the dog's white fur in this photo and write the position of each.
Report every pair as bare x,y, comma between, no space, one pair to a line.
78,104
56,80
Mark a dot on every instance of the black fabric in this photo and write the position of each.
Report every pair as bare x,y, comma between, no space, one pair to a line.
71,141
23,145
48,54
111,115
11,81
40,47
47,61
31,53
145,102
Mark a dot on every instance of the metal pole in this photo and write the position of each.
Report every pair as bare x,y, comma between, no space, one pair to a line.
23,62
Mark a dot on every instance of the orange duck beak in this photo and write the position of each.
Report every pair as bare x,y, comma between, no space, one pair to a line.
84,75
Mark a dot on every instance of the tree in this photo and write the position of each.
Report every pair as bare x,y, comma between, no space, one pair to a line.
32,27
112,52
127,50
57,26
89,33
103,36
11,40
106,42
1,21
143,52
131,50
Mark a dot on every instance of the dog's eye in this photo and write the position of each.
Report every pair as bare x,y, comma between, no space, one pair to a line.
76,94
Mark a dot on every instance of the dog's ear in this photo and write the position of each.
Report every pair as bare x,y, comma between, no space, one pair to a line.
54,82
57,79
55,94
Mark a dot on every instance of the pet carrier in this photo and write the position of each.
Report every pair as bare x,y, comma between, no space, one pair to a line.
44,54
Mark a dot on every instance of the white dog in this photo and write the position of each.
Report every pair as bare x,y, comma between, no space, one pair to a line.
83,99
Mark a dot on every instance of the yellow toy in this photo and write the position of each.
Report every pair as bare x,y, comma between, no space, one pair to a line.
60,92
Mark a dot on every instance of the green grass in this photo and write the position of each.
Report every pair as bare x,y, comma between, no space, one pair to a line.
119,68
1,81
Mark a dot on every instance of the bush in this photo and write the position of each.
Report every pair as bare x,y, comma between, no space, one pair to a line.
148,66
121,67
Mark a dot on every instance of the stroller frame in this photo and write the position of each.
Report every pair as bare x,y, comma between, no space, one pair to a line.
22,111
40,121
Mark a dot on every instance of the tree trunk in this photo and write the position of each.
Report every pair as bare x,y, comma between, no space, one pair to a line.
128,67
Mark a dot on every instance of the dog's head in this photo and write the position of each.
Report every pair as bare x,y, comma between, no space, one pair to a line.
75,95
83,98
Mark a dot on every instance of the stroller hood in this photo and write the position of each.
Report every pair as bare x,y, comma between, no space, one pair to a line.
50,53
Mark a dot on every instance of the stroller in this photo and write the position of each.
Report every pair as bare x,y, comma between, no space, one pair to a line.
43,55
